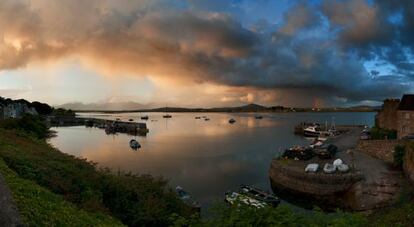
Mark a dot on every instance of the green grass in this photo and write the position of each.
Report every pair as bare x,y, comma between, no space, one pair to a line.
136,200
40,207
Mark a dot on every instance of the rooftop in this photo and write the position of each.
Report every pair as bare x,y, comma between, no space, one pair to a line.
407,102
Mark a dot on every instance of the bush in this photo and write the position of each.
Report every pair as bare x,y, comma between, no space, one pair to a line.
137,200
40,207
380,134
399,153
29,124
243,215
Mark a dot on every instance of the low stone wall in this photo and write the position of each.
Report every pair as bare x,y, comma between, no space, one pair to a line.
314,184
408,164
381,149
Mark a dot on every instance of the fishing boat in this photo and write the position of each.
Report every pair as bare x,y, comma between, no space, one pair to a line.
206,119
263,196
233,198
311,132
197,117
187,198
144,117
232,121
134,144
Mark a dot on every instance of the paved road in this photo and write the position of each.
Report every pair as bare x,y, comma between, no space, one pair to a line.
9,215
380,185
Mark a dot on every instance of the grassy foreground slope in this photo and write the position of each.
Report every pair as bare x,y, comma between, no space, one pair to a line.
136,200
40,207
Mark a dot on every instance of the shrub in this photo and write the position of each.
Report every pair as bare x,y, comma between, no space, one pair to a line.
399,153
380,134
243,215
137,200
40,207
29,124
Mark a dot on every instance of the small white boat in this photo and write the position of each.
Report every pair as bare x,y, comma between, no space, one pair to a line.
311,132
232,121
134,144
338,162
343,168
313,167
329,168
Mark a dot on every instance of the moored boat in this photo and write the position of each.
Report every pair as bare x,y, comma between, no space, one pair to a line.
144,117
258,117
134,144
232,121
187,198
263,196
233,198
167,116
311,132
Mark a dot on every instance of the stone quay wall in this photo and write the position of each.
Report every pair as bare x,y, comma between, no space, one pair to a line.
380,149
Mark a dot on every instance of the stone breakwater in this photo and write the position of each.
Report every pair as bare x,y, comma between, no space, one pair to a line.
312,184
371,184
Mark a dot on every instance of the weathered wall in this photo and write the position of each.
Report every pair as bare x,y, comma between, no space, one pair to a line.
381,149
405,123
387,117
408,164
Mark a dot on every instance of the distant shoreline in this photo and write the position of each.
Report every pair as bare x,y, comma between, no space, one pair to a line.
215,111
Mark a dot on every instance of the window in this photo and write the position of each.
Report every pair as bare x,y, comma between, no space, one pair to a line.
407,115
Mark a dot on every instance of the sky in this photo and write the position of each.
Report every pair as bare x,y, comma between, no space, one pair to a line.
207,53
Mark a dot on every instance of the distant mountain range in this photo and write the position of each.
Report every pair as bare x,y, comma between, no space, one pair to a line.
137,107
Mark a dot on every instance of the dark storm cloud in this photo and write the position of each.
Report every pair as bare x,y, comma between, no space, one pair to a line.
316,47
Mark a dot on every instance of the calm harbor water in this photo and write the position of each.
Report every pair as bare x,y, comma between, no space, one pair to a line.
207,158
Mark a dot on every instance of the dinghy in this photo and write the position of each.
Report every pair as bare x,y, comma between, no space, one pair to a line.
134,144
329,168
263,196
233,198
